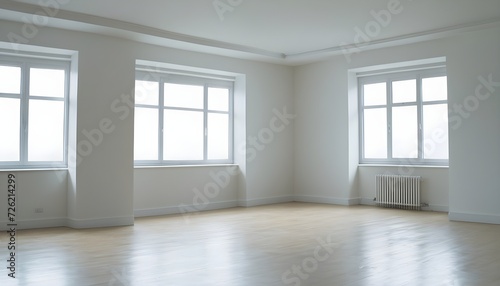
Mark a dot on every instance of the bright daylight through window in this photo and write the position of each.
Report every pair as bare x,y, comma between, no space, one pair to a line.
404,118
182,120
33,112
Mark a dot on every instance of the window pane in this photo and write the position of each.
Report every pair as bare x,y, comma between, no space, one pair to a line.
436,131
47,82
180,95
218,136
404,91
147,92
10,79
46,130
183,135
218,99
375,133
375,94
434,88
404,132
146,134
9,129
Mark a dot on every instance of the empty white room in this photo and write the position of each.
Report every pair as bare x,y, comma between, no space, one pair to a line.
250,142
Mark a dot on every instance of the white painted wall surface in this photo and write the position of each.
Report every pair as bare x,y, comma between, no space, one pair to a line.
35,189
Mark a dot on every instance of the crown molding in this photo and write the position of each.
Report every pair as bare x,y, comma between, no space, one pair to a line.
401,40
176,40
25,8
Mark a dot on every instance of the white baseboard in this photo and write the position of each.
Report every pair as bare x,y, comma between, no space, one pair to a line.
470,217
66,222
367,202
432,208
210,206
354,201
266,201
184,208
326,200
100,222
35,223
436,208
42,223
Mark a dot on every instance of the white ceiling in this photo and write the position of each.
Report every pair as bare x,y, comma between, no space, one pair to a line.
286,31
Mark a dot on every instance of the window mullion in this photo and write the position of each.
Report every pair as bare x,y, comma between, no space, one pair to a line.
161,116
389,119
231,125
361,120
205,122
24,113
419,118
66,114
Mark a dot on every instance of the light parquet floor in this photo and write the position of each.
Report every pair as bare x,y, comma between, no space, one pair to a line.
283,244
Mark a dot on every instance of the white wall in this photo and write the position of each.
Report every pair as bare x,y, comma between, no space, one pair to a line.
323,139
322,151
172,190
35,189
104,178
100,189
475,141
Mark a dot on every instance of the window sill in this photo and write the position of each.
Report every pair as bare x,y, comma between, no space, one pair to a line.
32,169
185,166
403,166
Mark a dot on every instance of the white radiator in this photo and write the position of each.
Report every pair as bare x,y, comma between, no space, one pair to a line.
395,191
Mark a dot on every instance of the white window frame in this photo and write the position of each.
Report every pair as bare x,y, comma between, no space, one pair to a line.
25,63
388,78
207,81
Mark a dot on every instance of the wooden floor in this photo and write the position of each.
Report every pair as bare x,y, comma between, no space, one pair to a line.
285,244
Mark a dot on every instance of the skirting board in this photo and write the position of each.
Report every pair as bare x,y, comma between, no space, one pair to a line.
72,223
184,209
100,222
325,200
181,209
478,218
436,208
36,223
266,201
432,208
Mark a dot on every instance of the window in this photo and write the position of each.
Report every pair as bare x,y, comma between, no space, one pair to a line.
404,118
182,120
33,112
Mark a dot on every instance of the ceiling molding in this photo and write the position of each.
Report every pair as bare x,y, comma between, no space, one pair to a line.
136,28
215,46
403,39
